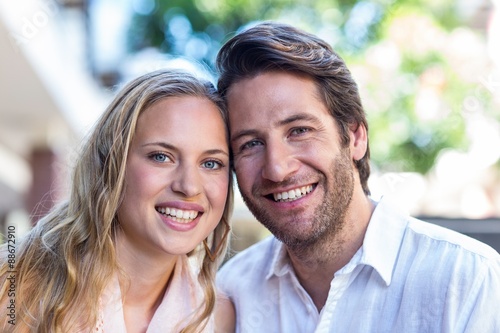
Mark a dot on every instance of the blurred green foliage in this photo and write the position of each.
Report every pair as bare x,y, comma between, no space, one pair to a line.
397,50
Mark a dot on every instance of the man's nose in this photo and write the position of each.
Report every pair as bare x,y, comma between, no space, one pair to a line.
279,162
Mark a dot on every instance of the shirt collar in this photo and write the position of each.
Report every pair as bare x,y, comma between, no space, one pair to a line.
280,263
380,246
383,239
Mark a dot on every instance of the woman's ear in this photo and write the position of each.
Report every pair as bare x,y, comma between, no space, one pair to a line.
359,141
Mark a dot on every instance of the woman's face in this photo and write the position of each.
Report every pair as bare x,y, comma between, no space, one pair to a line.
177,177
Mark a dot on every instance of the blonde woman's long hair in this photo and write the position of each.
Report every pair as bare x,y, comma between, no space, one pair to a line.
67,259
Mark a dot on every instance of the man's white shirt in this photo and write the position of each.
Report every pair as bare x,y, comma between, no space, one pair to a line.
408,276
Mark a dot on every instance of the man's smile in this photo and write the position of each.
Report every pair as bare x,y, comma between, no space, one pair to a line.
292,194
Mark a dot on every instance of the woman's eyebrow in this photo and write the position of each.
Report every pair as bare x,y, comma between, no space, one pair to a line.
159,143
171,147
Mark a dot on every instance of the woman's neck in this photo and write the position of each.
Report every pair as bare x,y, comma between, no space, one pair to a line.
143,285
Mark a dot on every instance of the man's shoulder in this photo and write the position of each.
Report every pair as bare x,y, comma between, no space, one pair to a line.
453,239
418,235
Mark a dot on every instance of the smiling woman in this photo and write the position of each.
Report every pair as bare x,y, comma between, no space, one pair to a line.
151,189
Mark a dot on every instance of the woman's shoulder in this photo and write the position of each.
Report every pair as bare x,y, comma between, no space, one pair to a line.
225,315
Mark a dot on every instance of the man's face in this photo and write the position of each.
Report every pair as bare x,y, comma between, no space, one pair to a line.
292,171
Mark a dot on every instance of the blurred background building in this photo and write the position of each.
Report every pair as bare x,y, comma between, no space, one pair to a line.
429,75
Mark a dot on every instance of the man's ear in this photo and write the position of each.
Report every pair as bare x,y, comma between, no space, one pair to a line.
359,141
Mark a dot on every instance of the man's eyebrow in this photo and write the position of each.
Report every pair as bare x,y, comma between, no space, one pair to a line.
297,117
240,134
286,121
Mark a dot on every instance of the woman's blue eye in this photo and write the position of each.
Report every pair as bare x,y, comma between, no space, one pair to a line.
159,157
212,165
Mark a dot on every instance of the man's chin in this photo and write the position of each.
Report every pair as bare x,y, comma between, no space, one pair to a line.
293,238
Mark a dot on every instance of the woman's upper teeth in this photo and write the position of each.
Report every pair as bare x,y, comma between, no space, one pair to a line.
293,194
179,213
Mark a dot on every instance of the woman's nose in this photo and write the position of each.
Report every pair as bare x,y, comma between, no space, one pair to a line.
187,181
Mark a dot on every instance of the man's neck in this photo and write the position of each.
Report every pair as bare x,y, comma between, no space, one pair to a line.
316,265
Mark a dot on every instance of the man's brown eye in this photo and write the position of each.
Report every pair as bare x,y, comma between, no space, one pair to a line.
250,144
299,130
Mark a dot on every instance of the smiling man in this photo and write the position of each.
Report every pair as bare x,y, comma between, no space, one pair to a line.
338,261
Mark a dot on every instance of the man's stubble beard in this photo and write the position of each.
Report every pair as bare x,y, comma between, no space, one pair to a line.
329,217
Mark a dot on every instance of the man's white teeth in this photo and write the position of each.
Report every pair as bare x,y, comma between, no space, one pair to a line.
178,215
293,194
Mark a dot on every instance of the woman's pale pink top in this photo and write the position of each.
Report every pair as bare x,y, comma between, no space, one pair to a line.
182,297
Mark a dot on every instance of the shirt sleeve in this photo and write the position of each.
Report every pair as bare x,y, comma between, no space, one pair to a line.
481,309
